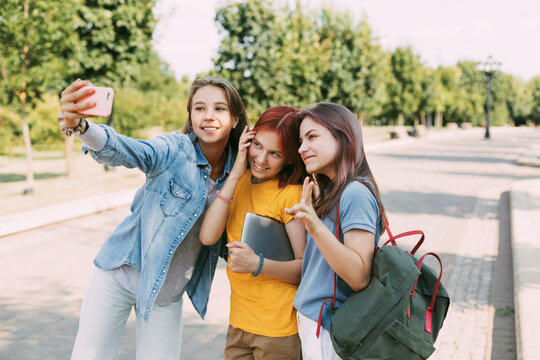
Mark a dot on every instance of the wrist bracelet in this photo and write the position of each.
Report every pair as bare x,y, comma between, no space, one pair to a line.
260,265
226,199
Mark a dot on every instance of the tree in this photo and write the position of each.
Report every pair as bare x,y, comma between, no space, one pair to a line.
293,56
32,34
248,51
518,100
469,95
533,87
404,87
446,85
113,37
428,94
152,99
355,76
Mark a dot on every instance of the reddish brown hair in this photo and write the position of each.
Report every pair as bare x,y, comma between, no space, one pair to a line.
283,119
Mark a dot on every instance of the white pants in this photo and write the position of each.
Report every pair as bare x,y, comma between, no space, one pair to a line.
314,348
104,313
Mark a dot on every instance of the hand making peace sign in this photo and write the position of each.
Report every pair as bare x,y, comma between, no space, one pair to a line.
304,212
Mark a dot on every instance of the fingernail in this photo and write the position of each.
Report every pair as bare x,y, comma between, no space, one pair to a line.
92,91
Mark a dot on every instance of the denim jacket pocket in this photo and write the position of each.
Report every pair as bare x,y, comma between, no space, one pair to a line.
174,200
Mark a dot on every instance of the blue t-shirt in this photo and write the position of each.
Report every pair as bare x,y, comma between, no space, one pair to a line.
358,210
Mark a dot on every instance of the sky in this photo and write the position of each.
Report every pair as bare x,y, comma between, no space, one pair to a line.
441,32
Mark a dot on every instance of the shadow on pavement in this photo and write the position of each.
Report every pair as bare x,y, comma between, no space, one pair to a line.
514,177
412,202
458,159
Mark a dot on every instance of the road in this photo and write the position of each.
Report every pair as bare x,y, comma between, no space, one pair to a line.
454,188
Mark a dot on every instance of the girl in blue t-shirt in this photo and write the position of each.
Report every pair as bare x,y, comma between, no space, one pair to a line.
332,150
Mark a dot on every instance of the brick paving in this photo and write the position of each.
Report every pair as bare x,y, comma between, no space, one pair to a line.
467,331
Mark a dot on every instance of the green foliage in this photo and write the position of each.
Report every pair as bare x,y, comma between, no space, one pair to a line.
446,84
404,86
45,45
466,95
10,130
152,99
296,57
273,55
113,38
428,93
533,88
44,125
357,66
33,34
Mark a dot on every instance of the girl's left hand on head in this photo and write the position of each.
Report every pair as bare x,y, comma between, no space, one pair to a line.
240,163
242,259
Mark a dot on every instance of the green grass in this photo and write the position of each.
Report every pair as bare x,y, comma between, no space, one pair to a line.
13,177
505,311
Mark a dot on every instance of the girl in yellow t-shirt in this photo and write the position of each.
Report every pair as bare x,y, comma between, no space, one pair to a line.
265,180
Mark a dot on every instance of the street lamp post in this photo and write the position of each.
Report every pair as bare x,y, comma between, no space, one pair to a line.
489,68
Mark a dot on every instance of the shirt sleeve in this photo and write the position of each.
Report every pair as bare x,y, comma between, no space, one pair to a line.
291,196
358,209
95,137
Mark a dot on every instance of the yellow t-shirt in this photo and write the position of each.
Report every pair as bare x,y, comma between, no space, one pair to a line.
261,305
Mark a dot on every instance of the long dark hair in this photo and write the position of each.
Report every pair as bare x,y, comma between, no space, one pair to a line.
236,106
351,162
282,119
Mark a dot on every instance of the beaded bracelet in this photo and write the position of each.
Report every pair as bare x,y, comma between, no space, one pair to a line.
226,199
260,265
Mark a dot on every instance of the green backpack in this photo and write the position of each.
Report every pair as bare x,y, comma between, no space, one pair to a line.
399,314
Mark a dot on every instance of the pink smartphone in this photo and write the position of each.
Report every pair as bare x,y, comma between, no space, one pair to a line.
103,97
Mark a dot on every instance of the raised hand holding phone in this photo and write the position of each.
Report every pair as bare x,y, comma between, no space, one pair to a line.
75,101
103,98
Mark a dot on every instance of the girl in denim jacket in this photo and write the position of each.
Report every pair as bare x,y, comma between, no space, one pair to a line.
155,254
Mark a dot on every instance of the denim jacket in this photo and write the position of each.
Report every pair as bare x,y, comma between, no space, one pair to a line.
162,212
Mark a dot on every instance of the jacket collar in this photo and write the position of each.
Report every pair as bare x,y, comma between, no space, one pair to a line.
201,159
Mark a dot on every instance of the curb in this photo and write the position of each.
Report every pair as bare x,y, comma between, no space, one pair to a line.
525,229
32,219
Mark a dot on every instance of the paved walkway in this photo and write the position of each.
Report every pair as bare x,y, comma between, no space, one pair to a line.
456,189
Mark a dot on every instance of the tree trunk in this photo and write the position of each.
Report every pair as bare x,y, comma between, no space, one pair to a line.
400,120
29,189
68,151
361,119
438,120
422,118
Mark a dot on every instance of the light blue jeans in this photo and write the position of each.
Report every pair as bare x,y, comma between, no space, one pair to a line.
104,313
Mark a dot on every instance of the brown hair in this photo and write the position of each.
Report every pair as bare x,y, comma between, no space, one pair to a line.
236,106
